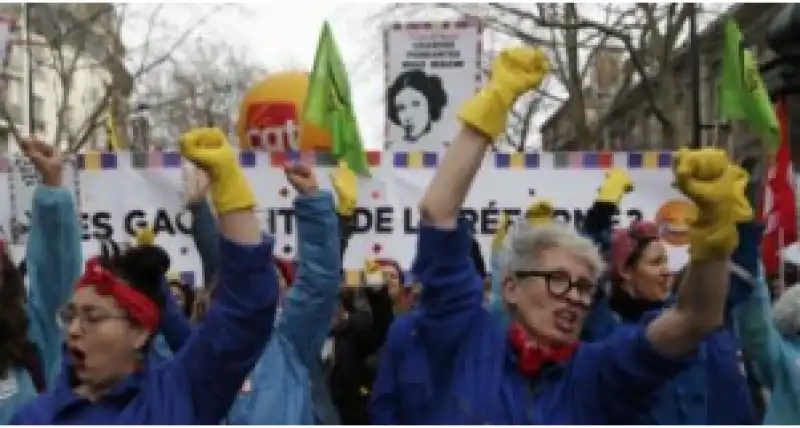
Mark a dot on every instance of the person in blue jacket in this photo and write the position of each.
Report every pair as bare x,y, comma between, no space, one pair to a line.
288,384
106,378
450,361
770,334
713,390
30,340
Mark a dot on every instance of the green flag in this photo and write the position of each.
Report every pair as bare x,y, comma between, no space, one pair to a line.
329,106
742,95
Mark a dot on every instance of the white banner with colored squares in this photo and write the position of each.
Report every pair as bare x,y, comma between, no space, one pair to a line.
117,193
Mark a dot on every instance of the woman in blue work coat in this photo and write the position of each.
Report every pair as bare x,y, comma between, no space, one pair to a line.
118,302
451,362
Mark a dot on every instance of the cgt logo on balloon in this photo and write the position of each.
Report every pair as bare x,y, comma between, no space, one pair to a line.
273,126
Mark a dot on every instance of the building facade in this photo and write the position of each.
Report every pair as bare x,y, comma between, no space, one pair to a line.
630,124
61,34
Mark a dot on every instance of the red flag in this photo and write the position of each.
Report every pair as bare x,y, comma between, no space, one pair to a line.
779,206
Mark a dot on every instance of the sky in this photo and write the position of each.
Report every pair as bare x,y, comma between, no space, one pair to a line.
283,35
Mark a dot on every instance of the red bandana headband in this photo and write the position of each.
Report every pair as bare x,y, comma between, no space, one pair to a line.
138,306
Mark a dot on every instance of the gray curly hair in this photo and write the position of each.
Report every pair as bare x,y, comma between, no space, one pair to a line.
786,312
524,244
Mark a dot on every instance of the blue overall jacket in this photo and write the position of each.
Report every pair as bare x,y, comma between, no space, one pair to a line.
198,385
287,385
449,361
54,264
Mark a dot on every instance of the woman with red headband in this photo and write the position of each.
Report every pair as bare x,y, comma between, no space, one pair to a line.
454,363
30,340
117,306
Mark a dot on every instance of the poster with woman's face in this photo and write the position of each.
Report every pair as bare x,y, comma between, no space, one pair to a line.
431,69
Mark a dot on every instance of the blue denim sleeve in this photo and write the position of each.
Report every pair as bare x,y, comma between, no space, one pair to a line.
310,304
54,264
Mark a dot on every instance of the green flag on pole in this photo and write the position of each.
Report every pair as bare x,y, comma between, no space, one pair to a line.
742,95
329,106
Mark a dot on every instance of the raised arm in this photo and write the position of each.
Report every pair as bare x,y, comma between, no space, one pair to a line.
598,224
205,232
452,290
761,342
228,342
53,254
717,188
310,304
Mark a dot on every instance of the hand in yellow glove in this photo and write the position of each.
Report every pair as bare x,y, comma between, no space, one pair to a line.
373,276
144,237
616,184
514,72
209,149
717,188
540,212
345,184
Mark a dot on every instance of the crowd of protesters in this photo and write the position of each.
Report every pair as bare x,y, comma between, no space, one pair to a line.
570,327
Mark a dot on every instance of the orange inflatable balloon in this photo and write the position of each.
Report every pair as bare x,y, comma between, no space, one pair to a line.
270,116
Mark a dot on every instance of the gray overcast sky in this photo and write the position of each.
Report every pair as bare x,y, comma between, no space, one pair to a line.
283,34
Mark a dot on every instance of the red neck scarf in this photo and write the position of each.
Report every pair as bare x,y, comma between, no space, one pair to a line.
139,307
531,356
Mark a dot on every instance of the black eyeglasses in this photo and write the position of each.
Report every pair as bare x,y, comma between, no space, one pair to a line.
86,319
559,282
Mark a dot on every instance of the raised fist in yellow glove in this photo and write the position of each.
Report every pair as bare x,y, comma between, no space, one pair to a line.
514,72
345,184
209,149
540,212
144,237
373,275
717,187
616,184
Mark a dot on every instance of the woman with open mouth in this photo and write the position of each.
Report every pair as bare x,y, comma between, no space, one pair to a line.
118,303
30,340
450,361
712,391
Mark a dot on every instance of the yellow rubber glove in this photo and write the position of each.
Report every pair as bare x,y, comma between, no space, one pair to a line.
502,231
209,149
345,184
616,184
144,237
514,72
717,187
373,276
540,212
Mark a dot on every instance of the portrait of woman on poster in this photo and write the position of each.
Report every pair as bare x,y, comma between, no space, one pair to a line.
414,102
